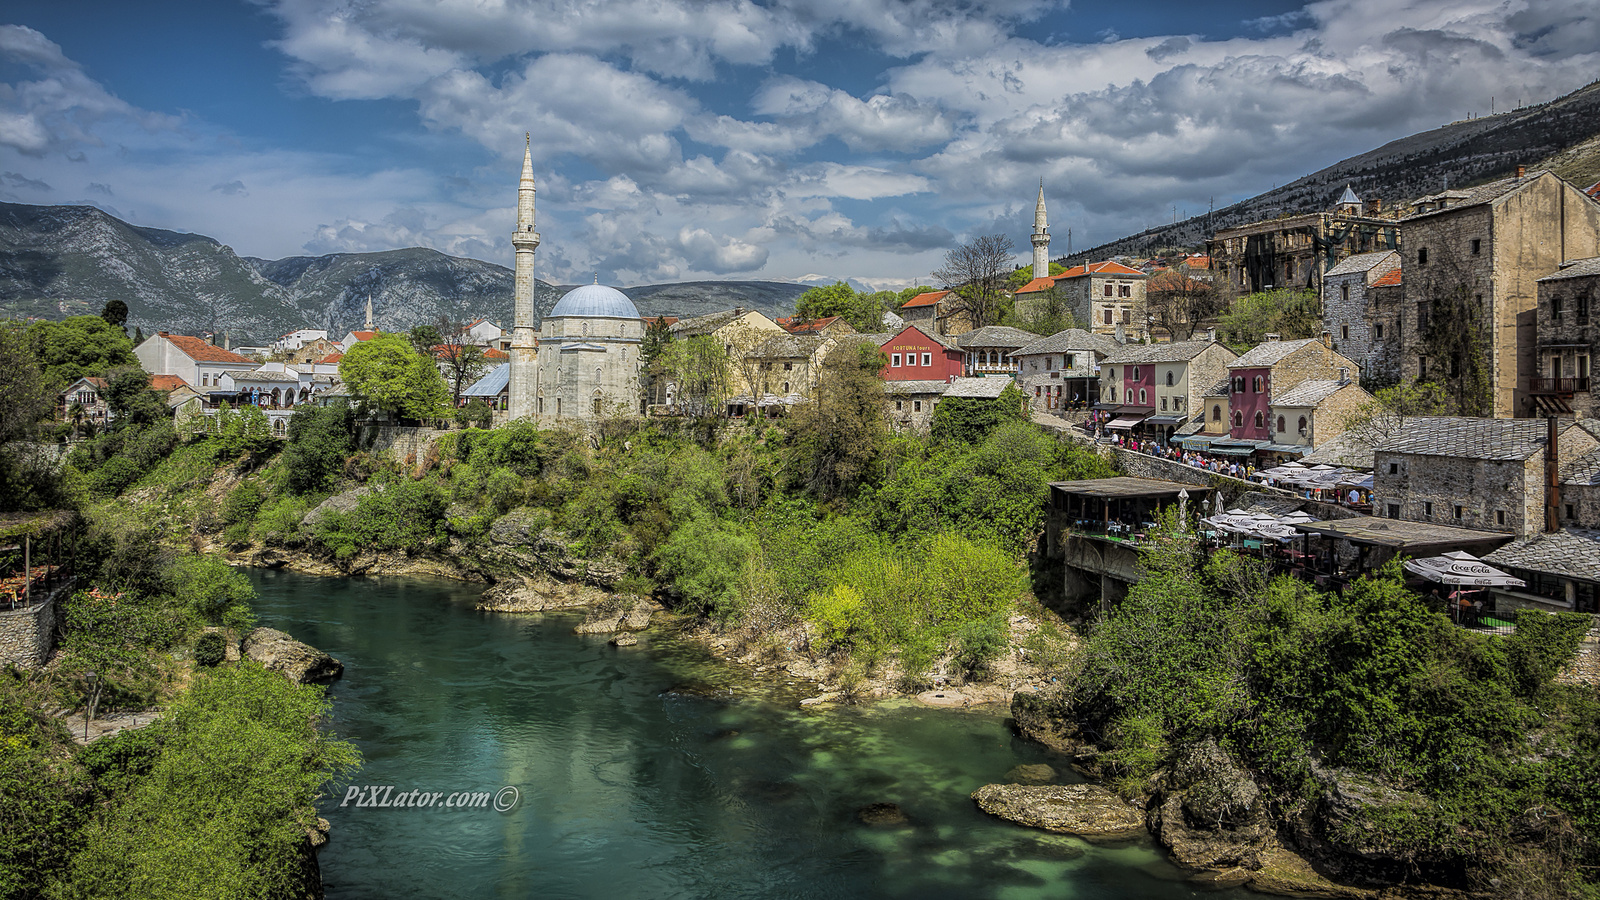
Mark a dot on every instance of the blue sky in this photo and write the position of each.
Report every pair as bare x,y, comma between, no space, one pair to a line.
689,139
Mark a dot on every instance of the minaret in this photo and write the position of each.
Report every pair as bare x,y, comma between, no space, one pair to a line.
1041,238
524,382
369,313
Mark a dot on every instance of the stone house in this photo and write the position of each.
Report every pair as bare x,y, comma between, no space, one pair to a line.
198,363
1567,343
1294,251
89,394
935,312
788,365
1385,324
1483,474
1346,303
1062,371
1312,413
828,326
1273,368
1161,386
295,340
990,350
911,403
308,352
1106,295
1473,260
739,331
1561,570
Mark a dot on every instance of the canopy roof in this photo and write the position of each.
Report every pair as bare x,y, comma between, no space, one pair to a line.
1458,567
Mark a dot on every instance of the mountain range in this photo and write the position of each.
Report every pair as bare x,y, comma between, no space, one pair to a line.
1562,135
58,261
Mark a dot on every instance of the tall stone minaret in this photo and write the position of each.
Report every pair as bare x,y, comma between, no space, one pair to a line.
524,382
1041,238
369,313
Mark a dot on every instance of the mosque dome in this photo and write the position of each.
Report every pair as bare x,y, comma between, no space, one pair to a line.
595,301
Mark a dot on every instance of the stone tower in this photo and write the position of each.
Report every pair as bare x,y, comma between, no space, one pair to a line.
1041,238
524,382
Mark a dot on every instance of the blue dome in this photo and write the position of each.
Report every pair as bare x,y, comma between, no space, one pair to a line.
595,301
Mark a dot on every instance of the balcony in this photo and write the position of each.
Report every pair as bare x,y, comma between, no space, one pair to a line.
1541,385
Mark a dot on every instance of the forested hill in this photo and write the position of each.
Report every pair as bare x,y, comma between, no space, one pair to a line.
57,261
1562,135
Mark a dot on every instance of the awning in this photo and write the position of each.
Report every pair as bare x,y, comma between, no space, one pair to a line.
1551,405
1457,567
1128,409
1195,441
1167,420
1301,449
1233,449
1105,406
1124,421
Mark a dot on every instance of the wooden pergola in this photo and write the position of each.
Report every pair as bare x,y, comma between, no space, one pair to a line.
48,529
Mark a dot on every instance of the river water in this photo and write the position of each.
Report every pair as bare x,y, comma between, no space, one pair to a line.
630,789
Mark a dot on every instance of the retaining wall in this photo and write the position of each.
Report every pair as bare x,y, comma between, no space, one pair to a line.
27,636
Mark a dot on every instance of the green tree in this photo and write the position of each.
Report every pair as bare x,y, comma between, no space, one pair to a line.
971,419
78,347
115,312
1290,314
864,311
27,392
131,399
388,374
839,434
319,442
699,367
424,338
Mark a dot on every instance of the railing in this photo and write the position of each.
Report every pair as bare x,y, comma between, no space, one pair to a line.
1541,385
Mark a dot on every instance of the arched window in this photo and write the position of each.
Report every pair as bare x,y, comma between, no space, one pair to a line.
586,328
1260,383
1142,400
1280,425
1238,419
1169,379
1216,413
1302,424
1261,420
1113,395
1135,373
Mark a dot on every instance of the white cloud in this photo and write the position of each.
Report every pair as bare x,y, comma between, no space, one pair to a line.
62,105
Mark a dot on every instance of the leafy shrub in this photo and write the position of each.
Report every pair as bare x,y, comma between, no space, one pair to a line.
703,560
979,642
210,649
319,441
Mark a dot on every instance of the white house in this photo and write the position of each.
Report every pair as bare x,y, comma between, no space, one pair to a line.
198,363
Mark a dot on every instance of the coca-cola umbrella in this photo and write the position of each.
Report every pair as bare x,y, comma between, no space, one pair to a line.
1459,568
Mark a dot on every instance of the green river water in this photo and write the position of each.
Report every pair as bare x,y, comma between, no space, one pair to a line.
629,789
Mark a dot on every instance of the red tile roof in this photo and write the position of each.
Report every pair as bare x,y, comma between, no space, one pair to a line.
364,335
797,325
1198,262
200,351
330,359
668,321
929,299
166,383
495,353
1391,278
1037,284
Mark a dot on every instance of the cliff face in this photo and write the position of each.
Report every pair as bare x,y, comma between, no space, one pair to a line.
58,261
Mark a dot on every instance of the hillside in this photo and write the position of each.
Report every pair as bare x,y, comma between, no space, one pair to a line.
1562,135
58,261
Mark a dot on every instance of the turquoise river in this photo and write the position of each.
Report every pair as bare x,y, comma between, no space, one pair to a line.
631,789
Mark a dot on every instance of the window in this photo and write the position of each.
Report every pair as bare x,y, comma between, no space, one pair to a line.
1477,245
1281,426
1177,403
1108,315
1455,365
1142,398
1569,510
1067,361
916,406
1163,404
1169,379
1425,315
1302,425
1108,290
1127,316
586,328
1422,256
1261,419
1238,419
1427,508
899,406
1422,367
1555,308
895,360
205,379
1377,331
1124,290
1344,332
1583,309
1394,468
1113,395
927,359
1136,373
1259,384
1499,517
1394,510
1113,373
1458,511
1344,293
786,387
1037,391
788,367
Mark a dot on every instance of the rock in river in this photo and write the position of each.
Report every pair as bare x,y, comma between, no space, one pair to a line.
882,814
299,662
1038,773
1085,810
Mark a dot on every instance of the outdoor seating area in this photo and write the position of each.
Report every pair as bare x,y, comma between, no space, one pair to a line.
1334,484
34,548
1120,509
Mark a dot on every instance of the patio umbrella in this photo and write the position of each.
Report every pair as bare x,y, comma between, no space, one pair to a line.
1459,568
1299,516
1356,480
1278,532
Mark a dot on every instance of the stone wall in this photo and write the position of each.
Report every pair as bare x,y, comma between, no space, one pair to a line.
27,636
402,443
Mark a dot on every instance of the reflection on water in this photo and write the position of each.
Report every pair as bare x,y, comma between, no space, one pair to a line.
631,789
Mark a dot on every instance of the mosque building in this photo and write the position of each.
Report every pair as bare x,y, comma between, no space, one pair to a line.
583,361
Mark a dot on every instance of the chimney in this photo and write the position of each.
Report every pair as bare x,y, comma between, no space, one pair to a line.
1211,335
1522,171
738,311
1327,339
227,341
1122,334
1269,338
1552,479
1344,375
1374,206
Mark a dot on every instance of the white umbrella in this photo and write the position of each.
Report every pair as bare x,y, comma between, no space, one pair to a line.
1356,480
1278,532
1298,516
1459,568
